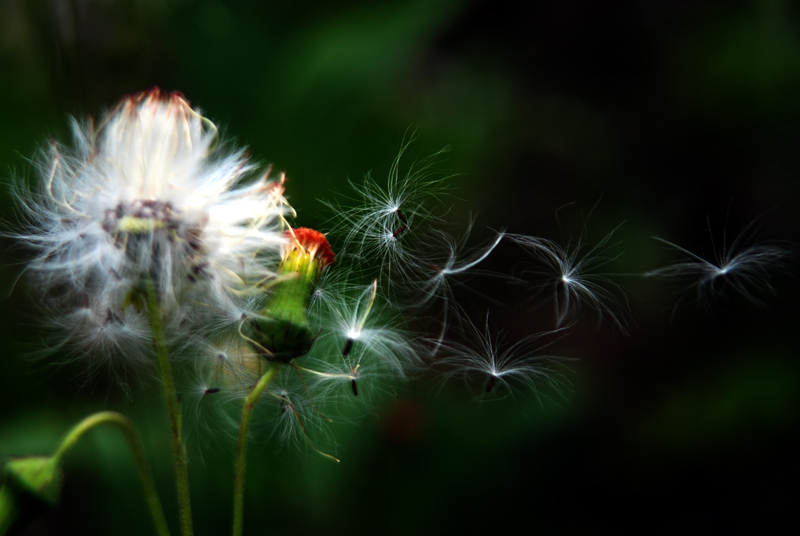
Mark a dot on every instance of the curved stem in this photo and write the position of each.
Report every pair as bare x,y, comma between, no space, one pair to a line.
173,409
145,474
241,450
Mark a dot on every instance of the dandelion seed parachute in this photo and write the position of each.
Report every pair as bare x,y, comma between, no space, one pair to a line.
744,268
386,217
497,369
577,282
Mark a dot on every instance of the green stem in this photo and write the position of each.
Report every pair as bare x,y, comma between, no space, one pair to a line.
173,409
241,451
127,426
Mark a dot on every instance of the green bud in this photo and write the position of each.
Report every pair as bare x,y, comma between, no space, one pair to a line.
282,332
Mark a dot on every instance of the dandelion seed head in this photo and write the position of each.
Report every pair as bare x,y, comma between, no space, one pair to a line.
145,194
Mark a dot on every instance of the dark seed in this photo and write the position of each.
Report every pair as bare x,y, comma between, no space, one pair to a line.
348,345
112,318
490,386
401,216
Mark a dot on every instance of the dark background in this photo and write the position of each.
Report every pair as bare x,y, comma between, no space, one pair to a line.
671,114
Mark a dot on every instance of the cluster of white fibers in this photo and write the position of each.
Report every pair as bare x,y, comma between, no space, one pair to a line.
383,222
360,346
145,195
494,369
572,275
740,268
397,232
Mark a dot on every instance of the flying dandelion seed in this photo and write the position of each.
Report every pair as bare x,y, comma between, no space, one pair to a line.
492,368
356,380
360,327
446,260
571,272
743,268
291,414
384,219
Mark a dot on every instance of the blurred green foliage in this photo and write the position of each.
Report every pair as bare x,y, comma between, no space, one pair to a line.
671,112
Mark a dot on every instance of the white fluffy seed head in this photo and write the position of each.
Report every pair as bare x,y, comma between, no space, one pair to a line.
144,194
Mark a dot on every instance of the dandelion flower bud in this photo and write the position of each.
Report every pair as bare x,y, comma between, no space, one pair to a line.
282,332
